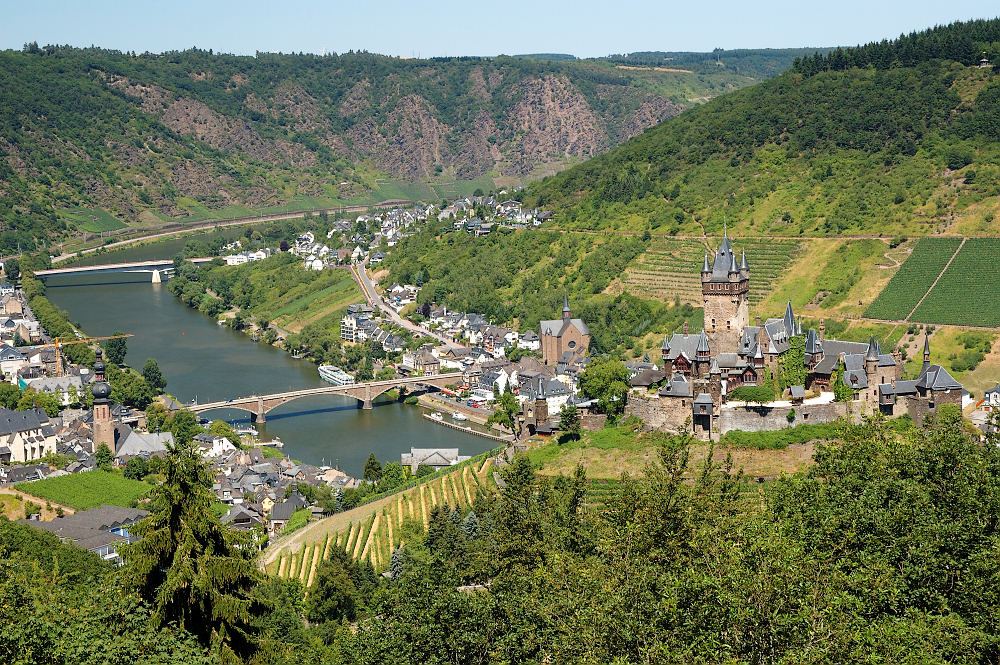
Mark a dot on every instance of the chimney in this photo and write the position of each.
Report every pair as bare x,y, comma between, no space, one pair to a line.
685,328
758,322
822,330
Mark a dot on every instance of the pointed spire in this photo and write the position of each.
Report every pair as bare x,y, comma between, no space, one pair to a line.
798,325
565,305
789,319
872,353
927,346
714,369
725,230
733,268
743,263
703,347
704,266
666,344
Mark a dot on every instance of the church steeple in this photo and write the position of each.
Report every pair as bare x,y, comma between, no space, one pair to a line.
927,351
565,305
104,427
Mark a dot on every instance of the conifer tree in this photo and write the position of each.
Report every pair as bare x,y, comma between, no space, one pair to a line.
195,573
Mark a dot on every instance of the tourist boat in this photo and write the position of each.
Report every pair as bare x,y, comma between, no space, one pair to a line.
437,415
459,416
335,375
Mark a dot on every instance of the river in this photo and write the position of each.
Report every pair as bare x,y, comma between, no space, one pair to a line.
209,362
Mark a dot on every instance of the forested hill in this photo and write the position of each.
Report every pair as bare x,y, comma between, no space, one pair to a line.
157,133
890,138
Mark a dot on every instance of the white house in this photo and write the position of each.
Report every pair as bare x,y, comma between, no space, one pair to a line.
212,445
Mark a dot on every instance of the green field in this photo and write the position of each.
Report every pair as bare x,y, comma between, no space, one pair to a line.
93,220
962,295
671,267
914,277
88,490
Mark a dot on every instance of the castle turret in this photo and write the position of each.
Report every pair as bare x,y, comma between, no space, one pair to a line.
668,365
871,358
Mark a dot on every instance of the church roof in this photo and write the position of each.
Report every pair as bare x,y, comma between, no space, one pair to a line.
936,377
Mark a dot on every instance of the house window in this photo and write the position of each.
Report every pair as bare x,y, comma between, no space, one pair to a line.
729,325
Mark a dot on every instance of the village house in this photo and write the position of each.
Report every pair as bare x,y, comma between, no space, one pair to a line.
100,530
436,458
26,435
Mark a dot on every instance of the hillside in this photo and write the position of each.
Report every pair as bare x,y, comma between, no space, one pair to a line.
91,139
891,138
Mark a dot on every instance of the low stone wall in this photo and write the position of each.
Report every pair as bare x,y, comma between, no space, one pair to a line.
767,418
592,422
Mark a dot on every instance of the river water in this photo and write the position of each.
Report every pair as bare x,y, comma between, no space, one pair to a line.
209,362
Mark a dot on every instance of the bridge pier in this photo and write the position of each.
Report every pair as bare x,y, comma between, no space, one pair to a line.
156,277
366,404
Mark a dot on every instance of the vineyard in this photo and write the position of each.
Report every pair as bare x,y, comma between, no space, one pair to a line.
671,267
376,534
961,295
914,277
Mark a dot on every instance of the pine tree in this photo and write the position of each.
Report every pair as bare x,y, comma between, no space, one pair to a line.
194,572
373,469
339,498
470,525
396,563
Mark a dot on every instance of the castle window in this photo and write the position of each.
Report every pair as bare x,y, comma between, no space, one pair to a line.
729,325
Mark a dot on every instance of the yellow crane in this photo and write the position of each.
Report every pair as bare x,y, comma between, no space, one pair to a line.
60,342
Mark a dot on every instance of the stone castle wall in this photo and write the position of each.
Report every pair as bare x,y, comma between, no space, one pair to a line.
768,418
662,414
731,309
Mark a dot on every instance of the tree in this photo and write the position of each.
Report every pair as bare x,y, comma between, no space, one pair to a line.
153,376
195,573
222,428
9,395
569,423
373,469
606,380
116,349
396,563
136,468
18,340
129,388
12,269
333,595
506,412
103,457
793,367
183,424
470,525
32,399
156,416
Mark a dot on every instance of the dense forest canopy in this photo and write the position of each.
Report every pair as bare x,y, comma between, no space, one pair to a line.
850,150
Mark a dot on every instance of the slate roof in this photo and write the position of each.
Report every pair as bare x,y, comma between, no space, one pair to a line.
937,378
646,378
12,422
677,386
724,261
684,344
556,327
136,444
798,392
703,400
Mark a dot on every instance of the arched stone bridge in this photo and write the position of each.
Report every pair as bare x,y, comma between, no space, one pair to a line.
365,393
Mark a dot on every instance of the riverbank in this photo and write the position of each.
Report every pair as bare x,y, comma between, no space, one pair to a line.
213,363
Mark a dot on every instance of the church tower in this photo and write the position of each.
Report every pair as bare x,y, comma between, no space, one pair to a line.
725,288
104,426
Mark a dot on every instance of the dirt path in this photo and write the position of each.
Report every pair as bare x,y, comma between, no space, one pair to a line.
960,245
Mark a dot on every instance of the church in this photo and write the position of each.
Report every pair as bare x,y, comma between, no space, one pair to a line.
700,369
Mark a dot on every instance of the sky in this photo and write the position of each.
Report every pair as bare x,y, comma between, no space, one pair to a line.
448,28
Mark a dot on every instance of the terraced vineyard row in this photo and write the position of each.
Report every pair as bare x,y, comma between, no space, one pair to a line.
374,536
672,267
913,278
961,296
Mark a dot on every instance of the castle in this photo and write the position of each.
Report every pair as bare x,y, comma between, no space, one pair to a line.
700,370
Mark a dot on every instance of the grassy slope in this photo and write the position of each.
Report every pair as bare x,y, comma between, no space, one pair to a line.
373,530
88,490
855,152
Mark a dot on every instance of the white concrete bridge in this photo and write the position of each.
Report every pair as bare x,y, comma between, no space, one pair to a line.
157,267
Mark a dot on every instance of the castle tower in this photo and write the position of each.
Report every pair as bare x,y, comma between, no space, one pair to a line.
725,288
668,364
104,426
